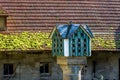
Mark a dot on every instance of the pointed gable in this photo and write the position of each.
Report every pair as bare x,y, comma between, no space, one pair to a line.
67,30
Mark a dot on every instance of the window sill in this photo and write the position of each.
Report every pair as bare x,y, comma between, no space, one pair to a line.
6,76
45,74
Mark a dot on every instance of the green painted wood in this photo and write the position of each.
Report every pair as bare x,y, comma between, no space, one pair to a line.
70,45
57,45
79,43
62,47
82,36
87,46
73,45
78,46
89,52
53,44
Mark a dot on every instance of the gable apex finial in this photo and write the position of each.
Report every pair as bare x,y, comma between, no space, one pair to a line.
69,27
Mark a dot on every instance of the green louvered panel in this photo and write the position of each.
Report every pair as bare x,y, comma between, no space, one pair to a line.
73,45
60,47
54,44
79,44
70,46
76,43
57,45
87,46
82,43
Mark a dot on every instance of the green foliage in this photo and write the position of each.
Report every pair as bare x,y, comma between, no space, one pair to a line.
102,43
24,41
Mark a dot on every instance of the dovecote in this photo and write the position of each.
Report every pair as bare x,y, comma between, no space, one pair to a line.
71,40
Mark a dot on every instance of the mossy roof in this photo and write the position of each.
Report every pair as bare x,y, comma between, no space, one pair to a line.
40,41
35,15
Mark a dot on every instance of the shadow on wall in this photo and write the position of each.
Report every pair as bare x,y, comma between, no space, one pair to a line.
117,38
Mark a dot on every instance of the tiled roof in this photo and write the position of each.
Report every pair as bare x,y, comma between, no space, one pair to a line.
103,16
3,12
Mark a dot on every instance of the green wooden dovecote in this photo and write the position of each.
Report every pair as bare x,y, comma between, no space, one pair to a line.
71,40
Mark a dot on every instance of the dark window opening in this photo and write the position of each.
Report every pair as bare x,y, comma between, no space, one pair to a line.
75,34
73,50
8,69
73,45
61,40
84,50
44,67
73,40
60,45
78,45
78,40
79,50
85,40
81,34
84,45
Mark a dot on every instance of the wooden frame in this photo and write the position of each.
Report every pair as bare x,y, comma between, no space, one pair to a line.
49,69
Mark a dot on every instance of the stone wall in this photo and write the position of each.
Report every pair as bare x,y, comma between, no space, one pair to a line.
27,66
107,66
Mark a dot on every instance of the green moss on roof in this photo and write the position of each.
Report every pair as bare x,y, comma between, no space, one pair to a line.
101,43
41,41
24,41
2,11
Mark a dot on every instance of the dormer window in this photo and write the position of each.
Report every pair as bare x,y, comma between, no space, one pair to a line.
3,17
2,23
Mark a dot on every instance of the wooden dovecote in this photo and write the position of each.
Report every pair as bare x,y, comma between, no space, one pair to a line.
71,40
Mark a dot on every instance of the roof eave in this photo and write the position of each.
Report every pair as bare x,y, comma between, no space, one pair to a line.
86,31
51,34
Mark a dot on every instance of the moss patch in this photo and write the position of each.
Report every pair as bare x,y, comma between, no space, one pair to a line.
102,43
24,41
2,11
41,41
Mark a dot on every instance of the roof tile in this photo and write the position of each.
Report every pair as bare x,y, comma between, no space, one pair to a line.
42,15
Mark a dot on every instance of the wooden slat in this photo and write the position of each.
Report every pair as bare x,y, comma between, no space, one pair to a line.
81,41
76,45
79,37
